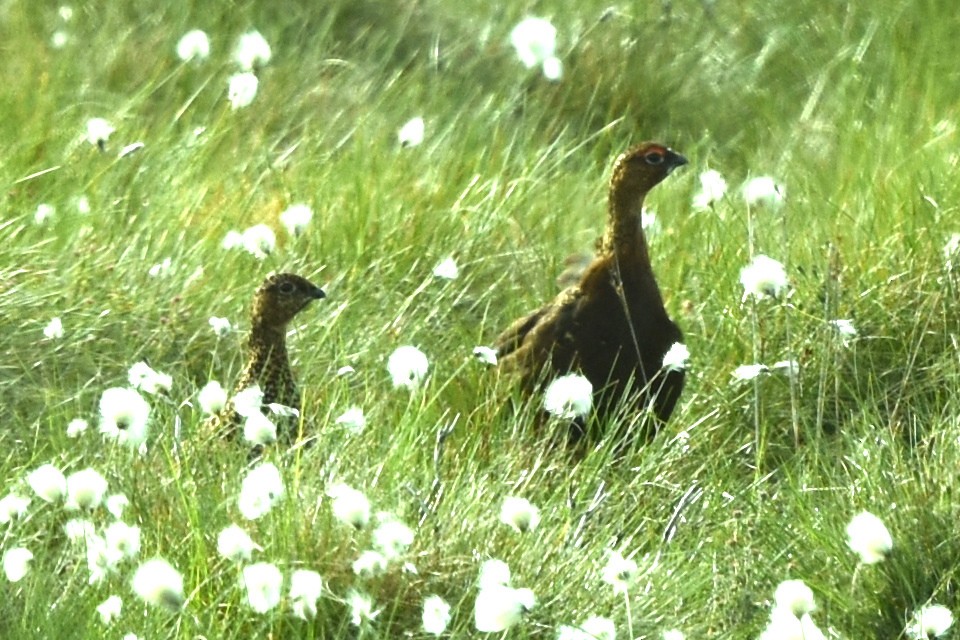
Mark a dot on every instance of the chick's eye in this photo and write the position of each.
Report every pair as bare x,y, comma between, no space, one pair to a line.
653,158
286,287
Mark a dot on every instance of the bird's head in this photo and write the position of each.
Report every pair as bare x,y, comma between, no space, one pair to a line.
281,297
642,167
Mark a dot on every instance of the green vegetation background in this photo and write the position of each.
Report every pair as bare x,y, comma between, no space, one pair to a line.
852,106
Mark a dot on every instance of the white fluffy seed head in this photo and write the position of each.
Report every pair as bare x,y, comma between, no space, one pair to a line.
869,538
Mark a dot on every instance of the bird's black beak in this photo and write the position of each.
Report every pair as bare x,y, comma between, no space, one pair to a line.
318,293
674,160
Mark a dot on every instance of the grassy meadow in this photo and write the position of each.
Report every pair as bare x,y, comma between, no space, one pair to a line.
853,109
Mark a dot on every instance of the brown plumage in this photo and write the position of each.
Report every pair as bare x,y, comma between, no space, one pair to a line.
276,302
611,326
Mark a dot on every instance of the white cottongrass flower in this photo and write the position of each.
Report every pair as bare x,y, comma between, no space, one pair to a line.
158,583
260,490
593,628
353,420
124,416
131,636
48,482
763,277
59,39
930,621
671,634
500,607
102,559
12,507
263,584
242,89
789,367
370,564
76,427
486,355
794,596
248,401
295,218
447,269
648,219
676,357
392,538
411,134
436,615
116,503
162,268
99,132
233,543
123,538
16,563
79,530
569,397
144,378
259,241
54,329
712,188
252,50
408,367
193,45
784,625
361,608
749,371
110,609
494,573
85,489
83,205
535,41
519,514
212,398
846,329
221,326
233,240
258,429
350,506
305,589
619,572
764,189
869,538
43,213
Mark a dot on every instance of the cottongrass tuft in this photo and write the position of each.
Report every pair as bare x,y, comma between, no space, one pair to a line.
436,615
116,504
85,489
158,583
54,329
143,377
361,608
676,357
259,430
109,609
242,89
519,514
16,563
500,607
783,625
370,564
763,277
99,131
569,397
234,543
296,218
619,572
494,573
746,372
869,538
535,41
486,355
794,596
712,189
350,506
353,420
930,621
12,507
447,269
593,628
252,50
48,482
392,538
306,586
124,416
193,45
260,490
408,366
846,329
673,634
212,398
412,132
123,539
263,585
79,530
764,190
221,326
76,427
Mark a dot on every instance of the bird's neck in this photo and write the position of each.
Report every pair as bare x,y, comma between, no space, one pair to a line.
624,235
267,351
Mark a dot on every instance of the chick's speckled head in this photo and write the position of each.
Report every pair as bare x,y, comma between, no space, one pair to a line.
280,298
644,166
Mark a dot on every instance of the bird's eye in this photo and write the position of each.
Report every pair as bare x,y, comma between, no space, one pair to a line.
286,287
653,158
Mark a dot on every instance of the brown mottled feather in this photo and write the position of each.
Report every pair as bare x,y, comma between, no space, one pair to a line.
276,302
611,326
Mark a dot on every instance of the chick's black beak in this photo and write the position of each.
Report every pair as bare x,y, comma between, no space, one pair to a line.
318,293
674,160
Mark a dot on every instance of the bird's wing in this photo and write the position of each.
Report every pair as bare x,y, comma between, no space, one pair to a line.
543,337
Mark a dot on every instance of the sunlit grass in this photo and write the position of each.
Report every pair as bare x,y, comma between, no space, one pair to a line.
752,483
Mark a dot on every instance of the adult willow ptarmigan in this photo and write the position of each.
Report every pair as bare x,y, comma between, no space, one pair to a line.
611,326
281,297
